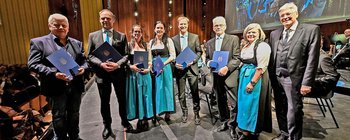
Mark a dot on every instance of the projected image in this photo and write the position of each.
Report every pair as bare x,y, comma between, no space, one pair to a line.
265,12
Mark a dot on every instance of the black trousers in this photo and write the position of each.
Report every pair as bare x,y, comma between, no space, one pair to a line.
226,99
181,85
65,114
105,89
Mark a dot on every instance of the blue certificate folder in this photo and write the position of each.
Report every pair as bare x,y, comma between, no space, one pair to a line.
64,63
158,65
141,59
107,53
186,57
220,59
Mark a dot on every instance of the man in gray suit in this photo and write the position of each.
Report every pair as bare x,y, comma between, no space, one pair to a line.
293,64
108,73
226,80
181,41
64,94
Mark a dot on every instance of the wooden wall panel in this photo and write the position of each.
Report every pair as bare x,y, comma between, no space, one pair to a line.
20,21
89,18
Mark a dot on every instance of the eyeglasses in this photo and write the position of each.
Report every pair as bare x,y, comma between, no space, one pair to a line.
219,25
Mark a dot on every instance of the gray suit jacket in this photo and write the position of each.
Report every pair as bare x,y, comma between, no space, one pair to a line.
230,43
42,47
302,56
193,43
119,43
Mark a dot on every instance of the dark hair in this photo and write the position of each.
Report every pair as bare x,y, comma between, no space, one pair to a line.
165,35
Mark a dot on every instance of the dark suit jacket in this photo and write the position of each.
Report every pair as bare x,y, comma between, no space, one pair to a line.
302,56
193,43
230,43
42,47
119,43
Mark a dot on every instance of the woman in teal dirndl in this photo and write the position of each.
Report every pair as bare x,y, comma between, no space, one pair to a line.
163,46
254,105
139,83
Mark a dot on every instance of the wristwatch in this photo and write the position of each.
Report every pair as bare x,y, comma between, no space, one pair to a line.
253,83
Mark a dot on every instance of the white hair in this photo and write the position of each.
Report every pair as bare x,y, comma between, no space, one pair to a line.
220,20
291,7
57,16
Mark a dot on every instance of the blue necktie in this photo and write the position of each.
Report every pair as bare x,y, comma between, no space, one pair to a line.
107,37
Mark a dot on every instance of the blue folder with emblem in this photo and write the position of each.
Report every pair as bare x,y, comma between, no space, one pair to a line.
141,59
186,57
158,65
64,63
107,53
220,59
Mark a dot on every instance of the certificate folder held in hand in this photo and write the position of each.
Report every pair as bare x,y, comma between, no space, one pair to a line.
64,63
107,53
220,60
141,59
186,57
158,66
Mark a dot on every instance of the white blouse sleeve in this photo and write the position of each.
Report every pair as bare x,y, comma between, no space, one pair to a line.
263,55
171,48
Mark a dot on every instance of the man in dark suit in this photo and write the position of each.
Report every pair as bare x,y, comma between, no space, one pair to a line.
293,64
109,72
181,41
64,94
225,81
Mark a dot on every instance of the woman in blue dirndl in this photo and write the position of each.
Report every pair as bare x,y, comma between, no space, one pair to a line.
254,105
139,83
163,46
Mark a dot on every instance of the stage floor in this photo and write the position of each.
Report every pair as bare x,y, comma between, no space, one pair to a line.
315,125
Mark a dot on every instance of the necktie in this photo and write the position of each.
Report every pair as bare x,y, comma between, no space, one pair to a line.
107,37
285,40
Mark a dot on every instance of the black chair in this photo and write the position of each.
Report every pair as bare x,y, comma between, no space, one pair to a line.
206,87
320,99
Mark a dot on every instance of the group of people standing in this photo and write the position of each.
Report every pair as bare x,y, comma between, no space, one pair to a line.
287,63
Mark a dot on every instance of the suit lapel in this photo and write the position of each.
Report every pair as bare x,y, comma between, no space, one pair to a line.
277,42
178,43
297,34
224,42
99,37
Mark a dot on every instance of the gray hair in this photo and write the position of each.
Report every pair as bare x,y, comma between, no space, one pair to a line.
291,7
57,16
253,26
107,10
219,19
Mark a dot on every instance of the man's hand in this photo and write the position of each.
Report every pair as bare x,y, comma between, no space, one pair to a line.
223,71
62,76
81,71
305,90
113,65
179,66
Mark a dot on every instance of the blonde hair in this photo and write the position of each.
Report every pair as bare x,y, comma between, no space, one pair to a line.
291,7
57,16
253,26
183,17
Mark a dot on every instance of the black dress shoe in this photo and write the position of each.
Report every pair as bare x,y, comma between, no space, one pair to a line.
167,117
222,127
197,119
233,134
107,131
280,137
129,128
